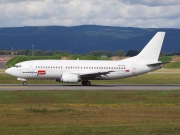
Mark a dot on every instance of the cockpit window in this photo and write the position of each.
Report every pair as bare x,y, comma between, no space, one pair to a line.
17,66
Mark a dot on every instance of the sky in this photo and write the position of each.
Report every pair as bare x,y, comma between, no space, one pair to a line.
123,13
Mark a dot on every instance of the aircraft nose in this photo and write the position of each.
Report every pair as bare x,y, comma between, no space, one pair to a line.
9,71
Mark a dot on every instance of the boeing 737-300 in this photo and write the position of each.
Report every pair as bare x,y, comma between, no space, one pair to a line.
72,71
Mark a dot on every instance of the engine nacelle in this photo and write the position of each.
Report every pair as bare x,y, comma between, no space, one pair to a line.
21,79
69,78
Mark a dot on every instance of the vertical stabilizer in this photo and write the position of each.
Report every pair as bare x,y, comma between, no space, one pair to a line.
152,50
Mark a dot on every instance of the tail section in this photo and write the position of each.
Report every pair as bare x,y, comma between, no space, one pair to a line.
151,51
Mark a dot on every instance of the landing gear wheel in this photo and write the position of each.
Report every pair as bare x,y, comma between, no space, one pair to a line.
83,83
24,83
86,83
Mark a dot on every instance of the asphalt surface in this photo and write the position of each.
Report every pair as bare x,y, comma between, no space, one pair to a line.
92,87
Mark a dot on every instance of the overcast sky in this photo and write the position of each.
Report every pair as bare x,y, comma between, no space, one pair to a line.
126,13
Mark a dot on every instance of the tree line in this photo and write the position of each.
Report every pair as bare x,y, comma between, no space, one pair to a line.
99,53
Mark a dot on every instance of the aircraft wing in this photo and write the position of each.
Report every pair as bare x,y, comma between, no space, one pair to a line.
93,75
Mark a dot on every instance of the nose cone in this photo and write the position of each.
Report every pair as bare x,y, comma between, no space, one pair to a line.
10,71
7,71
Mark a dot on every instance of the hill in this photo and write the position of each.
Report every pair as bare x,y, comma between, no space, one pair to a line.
83,39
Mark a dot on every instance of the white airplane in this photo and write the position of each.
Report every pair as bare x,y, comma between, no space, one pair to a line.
71,71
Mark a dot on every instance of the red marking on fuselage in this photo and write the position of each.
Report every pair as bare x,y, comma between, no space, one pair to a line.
41,72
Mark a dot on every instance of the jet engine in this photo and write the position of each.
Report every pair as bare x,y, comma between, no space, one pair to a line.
69,78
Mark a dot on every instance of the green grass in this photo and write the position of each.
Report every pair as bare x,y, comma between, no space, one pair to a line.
85,97
90,112
173,65
165,58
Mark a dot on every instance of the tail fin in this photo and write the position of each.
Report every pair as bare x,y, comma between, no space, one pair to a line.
152,50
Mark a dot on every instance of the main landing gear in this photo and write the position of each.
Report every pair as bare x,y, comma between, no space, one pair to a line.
24,83
86,83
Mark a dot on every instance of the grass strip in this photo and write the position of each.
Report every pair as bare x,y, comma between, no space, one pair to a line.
90,112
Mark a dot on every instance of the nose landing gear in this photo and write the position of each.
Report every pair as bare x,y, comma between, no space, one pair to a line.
23,80
24,83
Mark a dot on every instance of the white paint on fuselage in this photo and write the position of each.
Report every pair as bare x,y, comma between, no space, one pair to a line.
55,68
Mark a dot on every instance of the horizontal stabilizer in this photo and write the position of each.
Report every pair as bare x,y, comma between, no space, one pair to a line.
158,63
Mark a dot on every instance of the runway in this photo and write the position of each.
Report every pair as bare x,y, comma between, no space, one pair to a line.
14,87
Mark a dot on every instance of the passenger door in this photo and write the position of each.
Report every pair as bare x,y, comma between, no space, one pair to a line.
30,67
134,68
